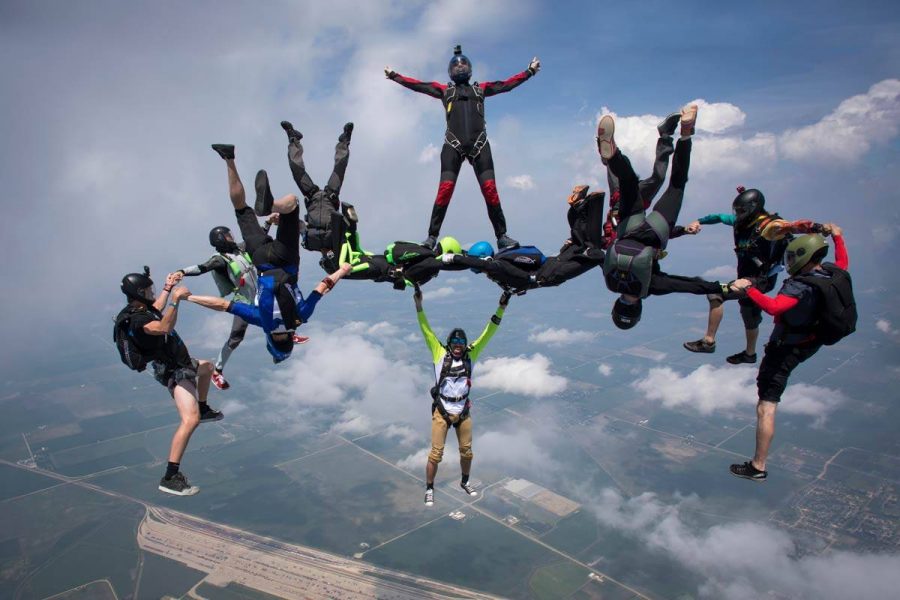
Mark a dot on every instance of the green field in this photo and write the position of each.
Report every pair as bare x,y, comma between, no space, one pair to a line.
559,580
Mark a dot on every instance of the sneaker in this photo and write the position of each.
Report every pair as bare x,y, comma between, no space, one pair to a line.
468,488
429,497
430,242
219,380
177,486
667,126
293,134
226,151
348,132
700,345
264,197
748,471
741,358
688,119
211,415
505,242
300,339
606,145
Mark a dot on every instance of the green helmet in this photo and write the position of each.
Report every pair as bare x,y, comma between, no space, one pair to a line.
804,249
449,245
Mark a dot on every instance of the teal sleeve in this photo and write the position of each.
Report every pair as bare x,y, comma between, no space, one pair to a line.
490,329
434,344
726,218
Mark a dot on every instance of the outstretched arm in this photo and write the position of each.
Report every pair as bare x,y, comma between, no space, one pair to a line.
490,329
492,88
216,262
437,349
429,88
774,306
841,258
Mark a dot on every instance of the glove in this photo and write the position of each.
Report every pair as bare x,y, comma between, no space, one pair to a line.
389,73
534,66
504,298
447,259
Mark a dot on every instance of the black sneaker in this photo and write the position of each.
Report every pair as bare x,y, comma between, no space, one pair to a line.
468,488
667,126
264,197
211,415
505,242
429,497
741,358
293,134
177,486
226,151
701,346
748,471
348,132
430,242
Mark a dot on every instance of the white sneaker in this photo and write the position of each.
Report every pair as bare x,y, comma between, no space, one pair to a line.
177,486
606,145
468,488
429,497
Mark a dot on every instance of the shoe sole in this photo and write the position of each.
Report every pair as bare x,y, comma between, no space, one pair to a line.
756,479
740,362
194,490
219,418
605,139
429,504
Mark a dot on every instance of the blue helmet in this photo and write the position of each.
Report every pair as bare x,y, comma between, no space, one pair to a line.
481,250
280,350
460,67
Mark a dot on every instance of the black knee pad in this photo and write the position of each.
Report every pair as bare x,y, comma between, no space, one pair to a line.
750,313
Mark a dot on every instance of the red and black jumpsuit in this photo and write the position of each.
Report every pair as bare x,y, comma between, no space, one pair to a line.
465,139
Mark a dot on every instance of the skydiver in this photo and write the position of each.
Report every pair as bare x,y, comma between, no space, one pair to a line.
146,334
466,137
631,266
450,395
520,269
760,238
235,275
279,308
815,306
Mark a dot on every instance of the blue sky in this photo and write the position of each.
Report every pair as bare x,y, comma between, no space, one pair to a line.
110,109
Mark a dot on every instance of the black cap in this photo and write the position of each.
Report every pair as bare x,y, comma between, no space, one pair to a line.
134,285
626,315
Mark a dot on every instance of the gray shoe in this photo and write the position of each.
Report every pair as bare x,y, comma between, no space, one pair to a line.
430,242
701,346
264,197
504,242
667,126
177,486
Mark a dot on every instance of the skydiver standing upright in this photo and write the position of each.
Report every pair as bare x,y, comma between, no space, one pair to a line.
466,137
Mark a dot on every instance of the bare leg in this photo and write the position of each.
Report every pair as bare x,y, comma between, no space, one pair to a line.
765,431
323,288
430,472
235,187
716,312
204,374
285,204
185,396
465,465
752,337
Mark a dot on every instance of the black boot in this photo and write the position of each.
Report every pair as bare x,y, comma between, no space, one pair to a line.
434,226
495,214
293,134
264,198
348,132
226,151
667,126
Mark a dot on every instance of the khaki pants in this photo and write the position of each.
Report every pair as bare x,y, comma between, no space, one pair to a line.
439,429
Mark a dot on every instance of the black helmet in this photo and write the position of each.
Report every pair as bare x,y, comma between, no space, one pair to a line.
457,336
134,285
626,315
218,240
747,205
460,67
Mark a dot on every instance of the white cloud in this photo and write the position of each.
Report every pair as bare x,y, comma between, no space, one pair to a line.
560,337
747,560
213,332
441,292
721,273
885,326
415,461
520,375
716,117
429,153
233,407
605,369
708,389
849,131
520,182
512,449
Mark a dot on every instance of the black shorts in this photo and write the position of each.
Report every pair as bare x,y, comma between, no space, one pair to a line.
778,363
171,375
283,251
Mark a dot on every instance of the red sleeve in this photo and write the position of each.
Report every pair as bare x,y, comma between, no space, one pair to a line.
841,258
774,306
498,87
432,88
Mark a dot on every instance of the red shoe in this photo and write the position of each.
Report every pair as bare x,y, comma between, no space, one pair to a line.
300,339
219,380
